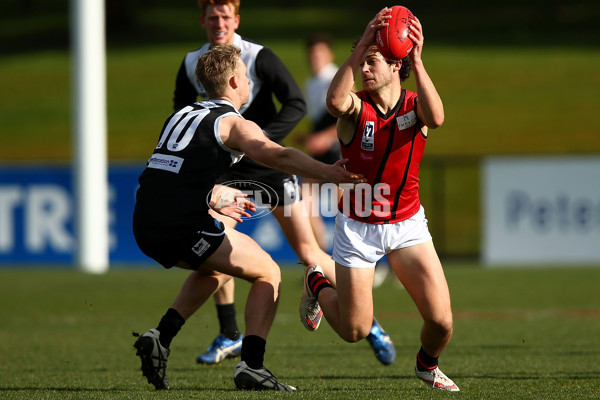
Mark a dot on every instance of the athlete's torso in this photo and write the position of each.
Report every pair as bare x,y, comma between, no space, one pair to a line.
187,160
269,79
387,150
249,53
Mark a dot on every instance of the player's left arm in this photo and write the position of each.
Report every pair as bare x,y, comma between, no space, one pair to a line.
185,92
431,108
231,202
275,74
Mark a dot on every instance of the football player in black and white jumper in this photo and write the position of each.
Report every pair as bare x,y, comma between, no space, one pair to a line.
172,224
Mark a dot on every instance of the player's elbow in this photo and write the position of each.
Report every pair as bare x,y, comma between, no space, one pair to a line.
436,123
435,120
301,106
334,106
295,109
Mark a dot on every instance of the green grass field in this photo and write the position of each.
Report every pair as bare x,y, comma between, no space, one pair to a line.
526,333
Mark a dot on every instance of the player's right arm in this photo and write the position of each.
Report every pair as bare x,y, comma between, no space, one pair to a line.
342,102
246,136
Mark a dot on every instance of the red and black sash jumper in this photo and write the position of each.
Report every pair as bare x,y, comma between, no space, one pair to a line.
387,149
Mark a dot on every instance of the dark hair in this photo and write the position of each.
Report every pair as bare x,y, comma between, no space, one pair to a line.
405,69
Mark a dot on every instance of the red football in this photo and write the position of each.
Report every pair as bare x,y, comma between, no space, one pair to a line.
392,40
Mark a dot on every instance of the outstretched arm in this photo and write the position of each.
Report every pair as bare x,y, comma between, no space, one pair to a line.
246,136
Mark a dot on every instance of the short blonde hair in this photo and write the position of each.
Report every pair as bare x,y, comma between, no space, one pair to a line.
215,67
203,4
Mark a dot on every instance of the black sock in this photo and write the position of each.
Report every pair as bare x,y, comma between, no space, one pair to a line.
168,326
425,361
253,351
317,282
226,314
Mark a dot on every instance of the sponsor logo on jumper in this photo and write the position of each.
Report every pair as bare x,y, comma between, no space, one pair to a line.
407,120
165,162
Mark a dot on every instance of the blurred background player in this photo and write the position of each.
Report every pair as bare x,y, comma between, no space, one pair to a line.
383,130
322,142
268,77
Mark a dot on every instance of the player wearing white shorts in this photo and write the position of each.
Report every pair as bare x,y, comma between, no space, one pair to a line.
360,245
383,130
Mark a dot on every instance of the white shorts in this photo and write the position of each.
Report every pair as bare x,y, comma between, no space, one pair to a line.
360,245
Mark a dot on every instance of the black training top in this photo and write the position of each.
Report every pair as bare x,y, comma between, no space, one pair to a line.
268,76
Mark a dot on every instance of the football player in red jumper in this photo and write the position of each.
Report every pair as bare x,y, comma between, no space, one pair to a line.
382,131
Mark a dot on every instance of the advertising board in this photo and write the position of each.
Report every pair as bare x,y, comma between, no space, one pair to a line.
541,210
37,213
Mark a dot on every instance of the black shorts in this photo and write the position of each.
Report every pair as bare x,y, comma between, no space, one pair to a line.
266,185
193,247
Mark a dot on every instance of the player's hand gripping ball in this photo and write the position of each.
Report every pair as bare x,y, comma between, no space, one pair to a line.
392,40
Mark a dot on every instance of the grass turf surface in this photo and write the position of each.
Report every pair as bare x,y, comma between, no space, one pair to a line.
519,333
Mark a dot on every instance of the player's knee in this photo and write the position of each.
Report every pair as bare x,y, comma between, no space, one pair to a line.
442,325
305,255
263,269
275,275
271,272
355,333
